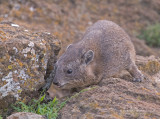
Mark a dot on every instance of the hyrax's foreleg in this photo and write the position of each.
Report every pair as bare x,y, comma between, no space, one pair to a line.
135,72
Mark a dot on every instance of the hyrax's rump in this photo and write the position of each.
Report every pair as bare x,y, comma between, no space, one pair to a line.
104,50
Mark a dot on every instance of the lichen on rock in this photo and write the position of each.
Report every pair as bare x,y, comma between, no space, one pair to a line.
10,86
24,57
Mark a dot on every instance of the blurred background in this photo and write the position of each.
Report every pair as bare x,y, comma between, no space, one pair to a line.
68,19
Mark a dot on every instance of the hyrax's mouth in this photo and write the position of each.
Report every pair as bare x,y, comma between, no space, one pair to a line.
66,85
61,86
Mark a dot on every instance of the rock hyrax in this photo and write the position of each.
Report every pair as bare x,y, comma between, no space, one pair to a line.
104,50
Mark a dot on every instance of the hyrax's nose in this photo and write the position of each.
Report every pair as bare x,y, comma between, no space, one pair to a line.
56,83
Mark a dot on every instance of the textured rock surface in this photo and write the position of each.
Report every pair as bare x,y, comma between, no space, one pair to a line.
24,57
149,65
119,98
71,17
25,115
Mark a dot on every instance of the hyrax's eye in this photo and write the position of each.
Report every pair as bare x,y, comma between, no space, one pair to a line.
69,71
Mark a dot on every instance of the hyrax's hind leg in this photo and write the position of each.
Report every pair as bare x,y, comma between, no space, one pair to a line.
135,72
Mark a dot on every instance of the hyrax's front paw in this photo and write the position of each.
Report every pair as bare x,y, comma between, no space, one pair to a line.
140,79
137,80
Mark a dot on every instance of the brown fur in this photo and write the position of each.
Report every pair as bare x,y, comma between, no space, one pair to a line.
111,51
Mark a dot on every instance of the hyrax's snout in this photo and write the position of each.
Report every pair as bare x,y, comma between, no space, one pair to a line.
55,82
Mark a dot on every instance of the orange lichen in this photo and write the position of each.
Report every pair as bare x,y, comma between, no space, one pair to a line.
152,67
58,35
117,116
31,84
158,93
102,113
146,89
17,13
1,19
57,43
20,63
4,83
29,72
23,100
3,36
25,84
94,105
7,56
2,33
89,116
130,102
81,28
1,59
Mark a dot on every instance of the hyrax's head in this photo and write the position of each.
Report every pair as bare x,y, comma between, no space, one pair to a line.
71,68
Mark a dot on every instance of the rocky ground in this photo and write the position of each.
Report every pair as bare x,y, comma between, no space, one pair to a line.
120,98
67,20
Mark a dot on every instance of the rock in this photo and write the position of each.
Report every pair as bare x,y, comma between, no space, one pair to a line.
26,115
119,98
25,59
150,65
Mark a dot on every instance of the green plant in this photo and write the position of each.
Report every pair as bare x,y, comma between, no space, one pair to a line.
50,109
151,35
0,117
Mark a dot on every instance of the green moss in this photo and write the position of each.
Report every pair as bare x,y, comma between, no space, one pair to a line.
0,117
151,35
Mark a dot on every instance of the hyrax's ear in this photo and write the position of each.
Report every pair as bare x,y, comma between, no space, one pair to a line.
88,57
69,46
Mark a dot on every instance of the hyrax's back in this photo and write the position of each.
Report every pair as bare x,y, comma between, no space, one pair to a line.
113,49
